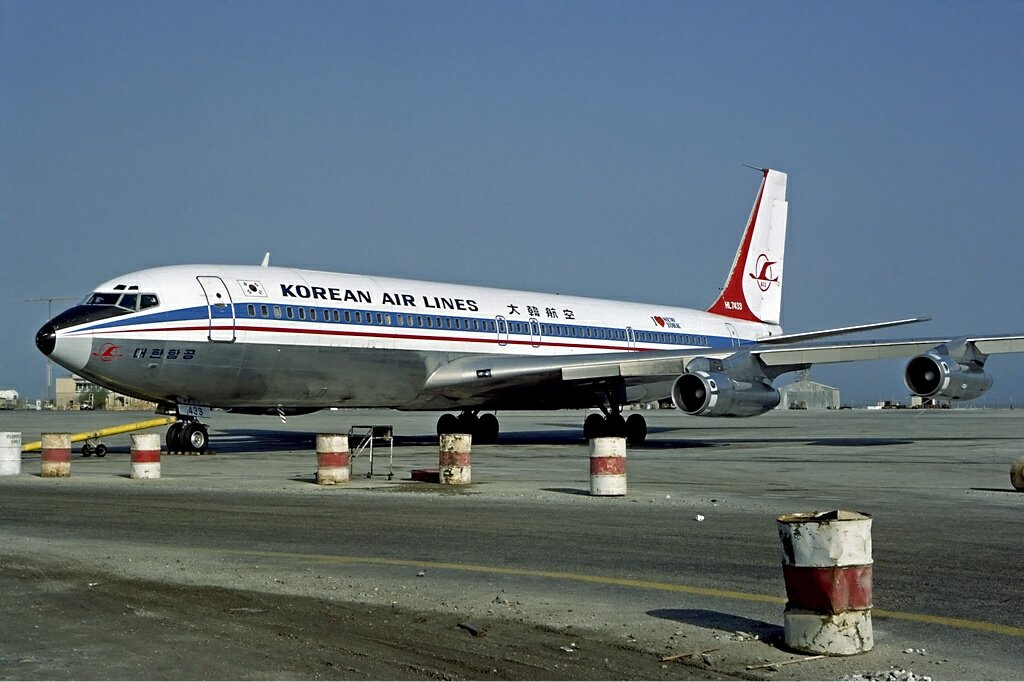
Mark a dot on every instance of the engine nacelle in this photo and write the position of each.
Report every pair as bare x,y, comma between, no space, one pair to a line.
936,375
711,394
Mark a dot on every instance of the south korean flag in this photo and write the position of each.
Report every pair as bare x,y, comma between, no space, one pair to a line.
252,288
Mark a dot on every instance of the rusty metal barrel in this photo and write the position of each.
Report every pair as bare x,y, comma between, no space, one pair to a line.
56,455
455,459
145,455
10,453
827,566
333,466
1017,474
608,466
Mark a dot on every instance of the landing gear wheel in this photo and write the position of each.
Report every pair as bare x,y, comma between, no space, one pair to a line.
467,422
487,429
615,426
87,450
101,450
174,443
447,423
593,426
195,437
636,429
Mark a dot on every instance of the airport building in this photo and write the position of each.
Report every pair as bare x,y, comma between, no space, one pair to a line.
75,393
805,394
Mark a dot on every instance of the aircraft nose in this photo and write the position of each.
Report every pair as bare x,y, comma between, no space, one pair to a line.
46,339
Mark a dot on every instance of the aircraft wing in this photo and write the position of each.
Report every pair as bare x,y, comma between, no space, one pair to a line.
492,372
819,353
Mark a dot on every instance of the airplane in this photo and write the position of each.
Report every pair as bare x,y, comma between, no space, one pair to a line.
277,340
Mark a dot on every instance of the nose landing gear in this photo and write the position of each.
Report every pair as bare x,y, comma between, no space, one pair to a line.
188,436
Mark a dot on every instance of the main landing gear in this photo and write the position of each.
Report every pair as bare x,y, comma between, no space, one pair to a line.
187,436
484,427
612,424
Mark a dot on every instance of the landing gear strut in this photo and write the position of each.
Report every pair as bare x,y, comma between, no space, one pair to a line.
187,436
484,428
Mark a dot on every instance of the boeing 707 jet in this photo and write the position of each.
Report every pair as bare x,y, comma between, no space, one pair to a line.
276,340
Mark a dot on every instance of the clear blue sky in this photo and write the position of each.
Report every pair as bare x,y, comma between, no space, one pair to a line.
582,147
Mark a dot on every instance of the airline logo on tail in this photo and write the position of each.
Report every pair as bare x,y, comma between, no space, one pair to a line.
753,290
764,274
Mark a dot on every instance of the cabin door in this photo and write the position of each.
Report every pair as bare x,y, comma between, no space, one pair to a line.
220,309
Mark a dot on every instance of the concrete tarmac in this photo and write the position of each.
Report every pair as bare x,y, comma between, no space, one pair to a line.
524,545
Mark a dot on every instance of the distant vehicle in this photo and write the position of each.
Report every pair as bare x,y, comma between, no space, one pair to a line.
272,340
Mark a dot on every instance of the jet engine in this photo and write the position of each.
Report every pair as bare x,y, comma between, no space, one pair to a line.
712,394
936,375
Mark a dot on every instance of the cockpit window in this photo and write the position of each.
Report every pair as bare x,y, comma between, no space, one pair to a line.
103,299
126,301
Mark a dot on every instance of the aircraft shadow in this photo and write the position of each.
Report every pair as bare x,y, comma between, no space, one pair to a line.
716,620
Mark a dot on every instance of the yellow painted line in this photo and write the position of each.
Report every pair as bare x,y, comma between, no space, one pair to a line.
980,625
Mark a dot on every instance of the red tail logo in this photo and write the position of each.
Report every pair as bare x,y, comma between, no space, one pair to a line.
764,275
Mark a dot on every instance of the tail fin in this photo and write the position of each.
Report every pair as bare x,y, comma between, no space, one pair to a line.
753,290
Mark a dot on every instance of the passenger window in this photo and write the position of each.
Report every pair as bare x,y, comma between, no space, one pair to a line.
251,309
264,311
277,312
430,322
359,317
380,319
337,316
289,313
312,313
348,316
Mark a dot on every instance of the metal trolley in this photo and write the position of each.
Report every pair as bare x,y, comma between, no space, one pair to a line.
369,435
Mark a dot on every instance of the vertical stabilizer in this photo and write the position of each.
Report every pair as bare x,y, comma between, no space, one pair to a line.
753,290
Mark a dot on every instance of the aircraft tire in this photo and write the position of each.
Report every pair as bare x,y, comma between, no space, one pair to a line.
488,428
87,450
593,426
195,437
101,450
447,423
174,443
636,429
615,426
467,422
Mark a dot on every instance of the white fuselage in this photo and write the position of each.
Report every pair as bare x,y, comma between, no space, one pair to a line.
263,337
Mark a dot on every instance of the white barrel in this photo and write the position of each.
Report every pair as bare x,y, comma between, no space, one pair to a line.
455,459
145,455
1017,474
827,566
56,455
10,453
333,466
608,466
